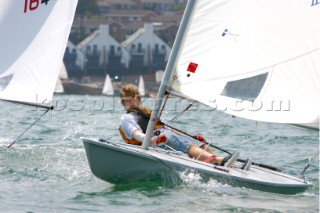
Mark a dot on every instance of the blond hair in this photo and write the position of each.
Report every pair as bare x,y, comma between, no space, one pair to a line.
129,90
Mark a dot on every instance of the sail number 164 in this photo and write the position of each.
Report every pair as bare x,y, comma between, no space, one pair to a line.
33,4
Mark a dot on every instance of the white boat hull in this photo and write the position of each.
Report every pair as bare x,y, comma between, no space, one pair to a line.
121,163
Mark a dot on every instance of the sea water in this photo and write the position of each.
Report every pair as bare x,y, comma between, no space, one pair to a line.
46,170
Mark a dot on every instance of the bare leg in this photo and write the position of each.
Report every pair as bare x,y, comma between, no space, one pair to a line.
195,151
207,149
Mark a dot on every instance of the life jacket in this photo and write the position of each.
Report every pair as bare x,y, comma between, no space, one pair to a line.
144,115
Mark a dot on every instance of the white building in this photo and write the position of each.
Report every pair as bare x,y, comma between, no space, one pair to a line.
147,48
80,58
100,44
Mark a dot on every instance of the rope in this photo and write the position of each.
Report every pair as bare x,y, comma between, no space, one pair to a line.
28,128
179,115
312,158
158,132
167,97
221,128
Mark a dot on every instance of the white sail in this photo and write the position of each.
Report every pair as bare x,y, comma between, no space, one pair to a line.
34,35
59,87
254,59
63,74
141,86
107,87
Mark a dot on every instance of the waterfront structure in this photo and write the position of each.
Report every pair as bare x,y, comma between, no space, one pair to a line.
107,5
104,53
148,52
86,26
75,61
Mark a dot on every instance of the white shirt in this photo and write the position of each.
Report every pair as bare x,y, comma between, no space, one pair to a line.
129,123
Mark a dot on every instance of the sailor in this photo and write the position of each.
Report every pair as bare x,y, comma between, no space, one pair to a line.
133,126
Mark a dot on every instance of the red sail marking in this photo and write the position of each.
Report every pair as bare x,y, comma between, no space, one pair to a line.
192,68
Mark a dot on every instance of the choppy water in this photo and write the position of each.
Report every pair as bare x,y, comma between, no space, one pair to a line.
47,170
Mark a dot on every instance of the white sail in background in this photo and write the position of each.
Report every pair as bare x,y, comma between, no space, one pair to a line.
254,59
107,87
62,75
141,86
34,35
59,87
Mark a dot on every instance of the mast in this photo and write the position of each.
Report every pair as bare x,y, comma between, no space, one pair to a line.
175,53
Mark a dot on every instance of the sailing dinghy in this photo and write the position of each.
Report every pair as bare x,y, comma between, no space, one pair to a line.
141,86
107,87
34,36
62,75
245,58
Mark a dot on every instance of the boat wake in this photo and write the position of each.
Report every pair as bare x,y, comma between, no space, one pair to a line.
74,129
193,180
4,142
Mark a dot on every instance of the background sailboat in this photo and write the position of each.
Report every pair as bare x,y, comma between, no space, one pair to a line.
39,34
59,87
62,75
229,53
141,86
107,87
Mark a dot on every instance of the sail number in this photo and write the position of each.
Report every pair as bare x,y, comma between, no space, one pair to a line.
33,4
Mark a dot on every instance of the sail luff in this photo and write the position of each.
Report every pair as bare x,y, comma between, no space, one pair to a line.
176,50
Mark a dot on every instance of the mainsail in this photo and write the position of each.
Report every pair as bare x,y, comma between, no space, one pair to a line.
34,35
258,60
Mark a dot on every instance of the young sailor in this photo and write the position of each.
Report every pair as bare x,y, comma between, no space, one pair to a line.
133,125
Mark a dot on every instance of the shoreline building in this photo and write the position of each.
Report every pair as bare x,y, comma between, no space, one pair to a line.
75,61
104,54
148,51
